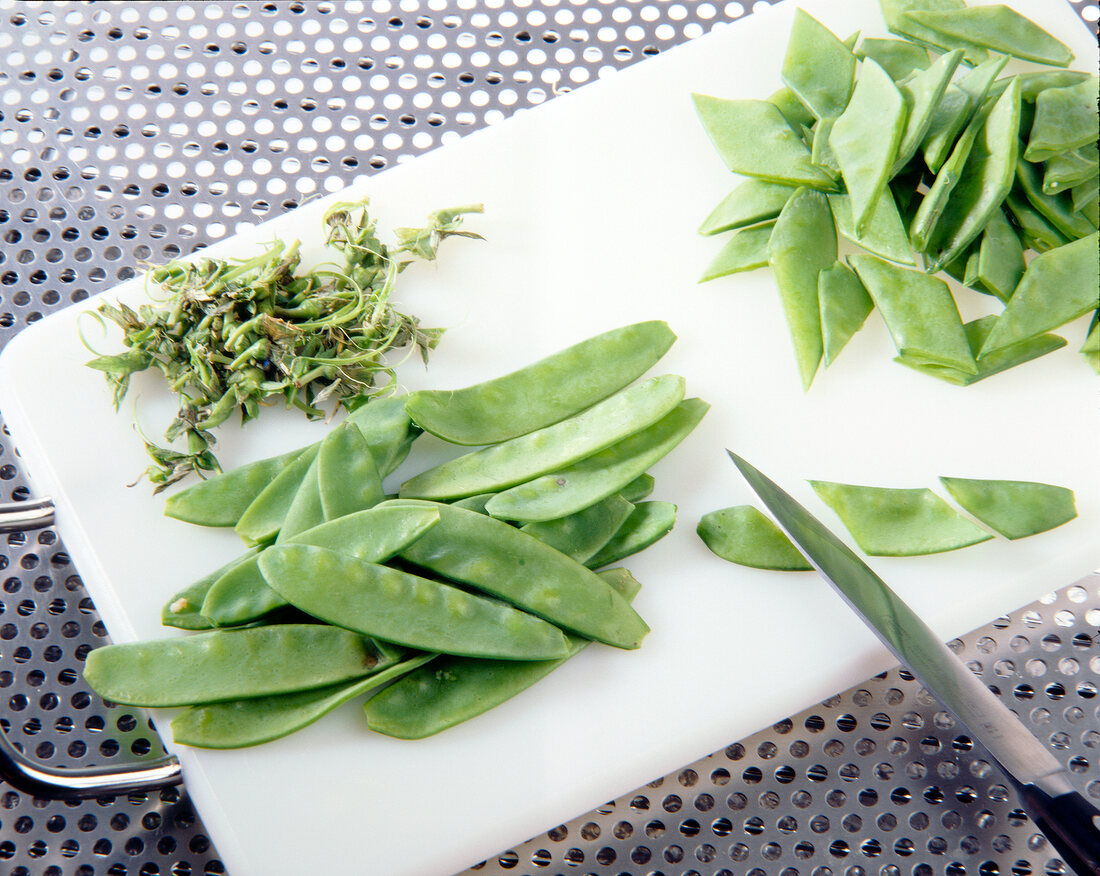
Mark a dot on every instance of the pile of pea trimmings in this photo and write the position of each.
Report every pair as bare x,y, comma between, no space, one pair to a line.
926,150
470,585
891,522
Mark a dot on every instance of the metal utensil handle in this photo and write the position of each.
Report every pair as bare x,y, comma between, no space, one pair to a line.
32,514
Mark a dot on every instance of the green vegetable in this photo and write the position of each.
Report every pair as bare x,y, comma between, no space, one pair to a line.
744,535
1015,509
647,524
261,521
923,93
347,477
901,22
752,202
1000,263
818,67
845,306
583,533
995,27
184,609
1065,119
744,251
899,58
884,234
961,102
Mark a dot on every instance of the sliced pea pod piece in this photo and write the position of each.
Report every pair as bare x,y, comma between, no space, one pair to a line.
184,609
960,103
845,306
1000,262
887,522
1058,286
900,22
1091,348
568,490
647,524
1035,231
752,202
818,67
581,534
1034,81
1057,209
222,665
899,58
1085,196
506,562
451,690
528,456
405,609
545,392
885,233
792,109
821,153
347,475
264,517
1015,509
1068,169
241,723
923,94
1065,119
920,312
996,27
746,536
746,250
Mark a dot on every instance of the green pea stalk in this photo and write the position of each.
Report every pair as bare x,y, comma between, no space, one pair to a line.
232,335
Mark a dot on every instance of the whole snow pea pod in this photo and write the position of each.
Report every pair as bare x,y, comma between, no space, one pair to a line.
920,312
923,93
450,690
305,510
752,202
519,459
1068,169
405,609
506,562
581,534
986,179
474,503
1015,509
1091,348
1000,263
241,723
960,103
996,27
845,306
221,665
184,609
220,500
746,250
885,233
802,244
263,518
1057,209
887,522
1058,286
385,425
569,489
746,536
347,476
818,67
639,488
753,138
1065,119
899,58
865,139
545,392
898,20
647,524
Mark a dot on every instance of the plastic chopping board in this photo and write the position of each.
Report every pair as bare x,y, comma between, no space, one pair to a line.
591,205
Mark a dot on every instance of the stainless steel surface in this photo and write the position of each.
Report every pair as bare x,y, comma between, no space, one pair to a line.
133,132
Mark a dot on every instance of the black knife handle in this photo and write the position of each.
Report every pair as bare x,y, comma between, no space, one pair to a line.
1072,825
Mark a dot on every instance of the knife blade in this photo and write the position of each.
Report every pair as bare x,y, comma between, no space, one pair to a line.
1046,793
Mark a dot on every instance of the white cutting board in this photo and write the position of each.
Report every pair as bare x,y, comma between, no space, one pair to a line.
591,205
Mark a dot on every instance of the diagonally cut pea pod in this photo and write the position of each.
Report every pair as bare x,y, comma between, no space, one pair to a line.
231,664
510,564
746,250
752,202
1015,509
1058,286
802,244
1068,169
1057,209
888,522
845,306
241,723
1091,348
960,103
754,139
866,137
1000,263
899,58
746,536
647,524
791,108
1065,119
900,22
520,459
405,609
1035,231
996,27
1085,197
919,311
885,233
581,534
184,609
821,153
818,67
545,392
451,690
923,93
567,490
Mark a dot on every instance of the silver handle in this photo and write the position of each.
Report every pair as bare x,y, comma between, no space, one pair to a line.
33,514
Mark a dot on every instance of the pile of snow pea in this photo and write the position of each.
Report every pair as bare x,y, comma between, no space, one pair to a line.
918,146
891,522
479,577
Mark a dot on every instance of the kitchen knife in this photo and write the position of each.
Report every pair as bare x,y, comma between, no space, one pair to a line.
1068,820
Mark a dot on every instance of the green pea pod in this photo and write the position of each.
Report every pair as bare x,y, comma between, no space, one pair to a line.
866,138
920,312
745,536
793,110
1034,81
507,563
1035,231
885,233
818,67
1069,169
568,490
983,184
242,595
1065,119
347,476
898,523
638,489
899,58
1085,196
520,459
220,500
222,665
581,534
1058,286
647,524
754,139
184,609
263,518
1091,348
451,690
305,510
1057,209
1000,262
1015,509
545,392
405,609
923,94
900,22
474,503
998,28
241,723
960,103
746,250
803,243
387,429
821,153
752,202
845,306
